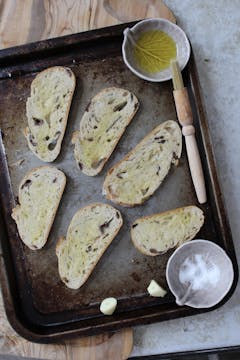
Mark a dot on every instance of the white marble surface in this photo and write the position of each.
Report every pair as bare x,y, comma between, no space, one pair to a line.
213,27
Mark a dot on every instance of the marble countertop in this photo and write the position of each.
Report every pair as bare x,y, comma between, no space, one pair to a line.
213,28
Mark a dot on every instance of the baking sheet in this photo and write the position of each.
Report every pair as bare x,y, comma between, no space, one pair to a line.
122,272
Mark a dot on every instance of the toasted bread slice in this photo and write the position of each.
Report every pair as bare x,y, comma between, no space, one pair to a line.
156,234
90,232
40,193
138,175
47,111
101,127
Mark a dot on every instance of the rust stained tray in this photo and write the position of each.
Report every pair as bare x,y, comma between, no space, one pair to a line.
38,305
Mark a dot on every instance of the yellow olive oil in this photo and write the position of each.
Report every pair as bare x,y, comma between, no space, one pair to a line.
154,50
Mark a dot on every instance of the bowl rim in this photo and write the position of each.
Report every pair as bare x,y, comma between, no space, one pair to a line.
189,243
160,20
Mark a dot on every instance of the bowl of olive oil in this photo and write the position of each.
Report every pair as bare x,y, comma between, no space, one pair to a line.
150,45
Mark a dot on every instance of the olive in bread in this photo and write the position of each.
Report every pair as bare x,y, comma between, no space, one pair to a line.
138,175
47,111
101,127
156,234
40,192
90,232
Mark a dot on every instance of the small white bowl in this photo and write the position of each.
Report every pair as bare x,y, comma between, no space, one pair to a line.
210,294
176,33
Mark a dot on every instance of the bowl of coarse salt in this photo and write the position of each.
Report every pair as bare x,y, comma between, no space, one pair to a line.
199,274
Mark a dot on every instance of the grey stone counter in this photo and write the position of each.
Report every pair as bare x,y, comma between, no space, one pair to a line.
213,28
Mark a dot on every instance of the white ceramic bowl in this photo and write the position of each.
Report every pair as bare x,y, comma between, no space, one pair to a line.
176,33
209,295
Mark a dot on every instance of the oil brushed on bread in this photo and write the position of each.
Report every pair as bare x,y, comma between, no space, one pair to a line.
40,192
90,232
101,127
156,234
47,111
137,176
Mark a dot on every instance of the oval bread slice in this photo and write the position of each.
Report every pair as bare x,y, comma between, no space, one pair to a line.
90,232
101,127
40,192
138,175
156,234
47,111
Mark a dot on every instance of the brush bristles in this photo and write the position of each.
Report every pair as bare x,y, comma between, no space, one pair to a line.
176,75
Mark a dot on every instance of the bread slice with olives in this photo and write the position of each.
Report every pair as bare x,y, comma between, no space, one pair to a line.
101,127
138,175
155,234
90,232
40,192
47,111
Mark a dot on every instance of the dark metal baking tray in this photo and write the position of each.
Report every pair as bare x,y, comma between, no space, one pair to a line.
38,305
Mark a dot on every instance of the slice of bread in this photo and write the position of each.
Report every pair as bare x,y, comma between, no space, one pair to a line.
90,232
137,176
155,234
40,192
47,111
101,127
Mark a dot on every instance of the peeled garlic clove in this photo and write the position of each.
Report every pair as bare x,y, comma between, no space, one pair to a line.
156,290
108,306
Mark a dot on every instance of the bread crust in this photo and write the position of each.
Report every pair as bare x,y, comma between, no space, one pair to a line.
77,134
77,283
17,208
52,155
106,191
163,214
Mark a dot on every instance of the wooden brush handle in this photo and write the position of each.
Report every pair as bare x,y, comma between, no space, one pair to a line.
183,107
185,118
195,163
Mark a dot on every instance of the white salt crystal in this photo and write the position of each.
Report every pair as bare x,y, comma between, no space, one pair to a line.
199,272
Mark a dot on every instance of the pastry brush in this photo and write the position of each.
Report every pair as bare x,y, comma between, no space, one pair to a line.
185,117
